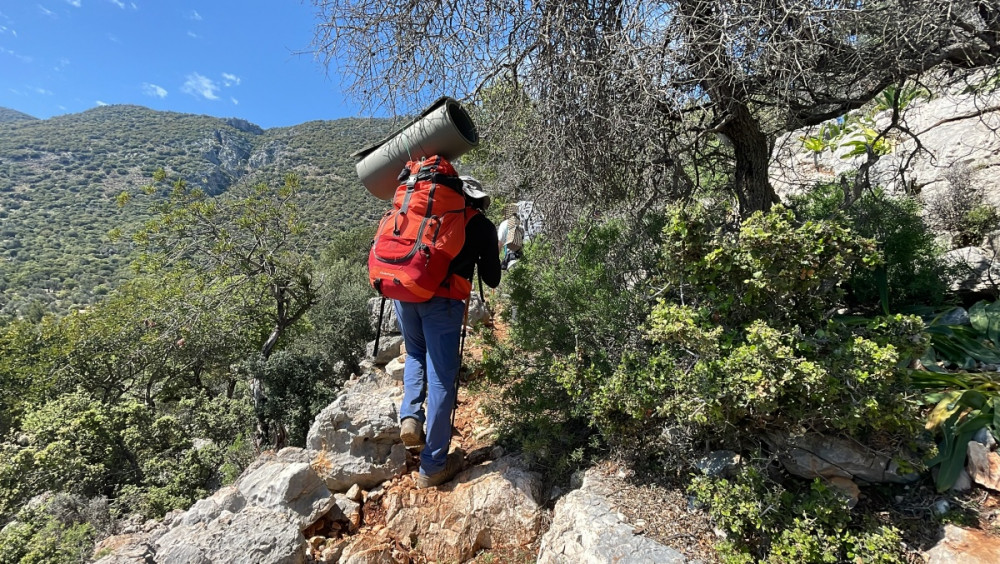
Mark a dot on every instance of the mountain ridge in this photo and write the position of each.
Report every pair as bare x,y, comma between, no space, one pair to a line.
60,177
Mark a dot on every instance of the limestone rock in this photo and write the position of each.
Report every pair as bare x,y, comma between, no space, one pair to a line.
395,368
964,545
818,456
985,437
226,499
983,465
358,435
719,463
131,548
390,323
974,269
255,535
587,530
955,316
484,507
367,551
287,486
848,488
351,510
963,483
954,132
389,347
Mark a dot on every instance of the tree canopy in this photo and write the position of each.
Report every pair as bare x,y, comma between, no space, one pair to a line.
635,101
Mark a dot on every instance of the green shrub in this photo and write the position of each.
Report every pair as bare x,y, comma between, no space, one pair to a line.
577,306
58,529
911,270
752,347
770,522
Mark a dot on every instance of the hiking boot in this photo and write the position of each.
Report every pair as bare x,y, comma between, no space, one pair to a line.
455,461
411,433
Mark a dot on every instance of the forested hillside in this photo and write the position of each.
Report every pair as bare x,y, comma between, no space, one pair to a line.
60,178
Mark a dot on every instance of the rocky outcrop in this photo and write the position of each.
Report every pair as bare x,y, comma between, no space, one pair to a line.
490,506
253,535
955,129
967,546
586,529
358,435
260,518
819,456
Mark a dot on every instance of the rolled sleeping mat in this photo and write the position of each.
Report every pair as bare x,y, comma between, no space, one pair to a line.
444,128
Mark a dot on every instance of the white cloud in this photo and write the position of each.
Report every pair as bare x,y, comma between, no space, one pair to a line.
194,15
63,63
113,38
74,3
235,101
100,103
192,35
41,91
118,3
45,11
230,80
153,90
16,55
198,85
134,7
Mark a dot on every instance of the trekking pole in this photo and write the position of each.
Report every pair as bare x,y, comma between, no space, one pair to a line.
461,353
378,332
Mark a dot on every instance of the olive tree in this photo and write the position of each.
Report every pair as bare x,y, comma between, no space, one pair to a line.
631,102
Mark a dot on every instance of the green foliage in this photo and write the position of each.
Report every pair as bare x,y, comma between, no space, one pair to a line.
899,98
78,445
778,268
962,210
964,402
751,347
299,388
775,523
839,378
55,530
978,222
912,270
580,307
854,136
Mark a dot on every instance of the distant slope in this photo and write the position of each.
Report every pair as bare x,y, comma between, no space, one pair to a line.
59,178
8,115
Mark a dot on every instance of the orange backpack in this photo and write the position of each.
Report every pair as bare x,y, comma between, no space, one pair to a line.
417,239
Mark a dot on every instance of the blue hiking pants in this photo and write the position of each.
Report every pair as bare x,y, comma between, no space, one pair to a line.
431,331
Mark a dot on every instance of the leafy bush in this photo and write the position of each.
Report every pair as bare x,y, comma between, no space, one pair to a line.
751,347
770,522
580,305
55,529
911,270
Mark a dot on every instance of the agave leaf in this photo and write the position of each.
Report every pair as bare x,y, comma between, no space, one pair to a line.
973,424
930,380
945,408
978,318
973,398
954,462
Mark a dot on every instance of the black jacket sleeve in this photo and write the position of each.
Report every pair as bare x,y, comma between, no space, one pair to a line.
481,249
489,250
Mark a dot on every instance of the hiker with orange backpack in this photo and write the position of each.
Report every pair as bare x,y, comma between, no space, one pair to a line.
423,257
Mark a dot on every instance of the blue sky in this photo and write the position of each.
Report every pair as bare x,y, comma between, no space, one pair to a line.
223,58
